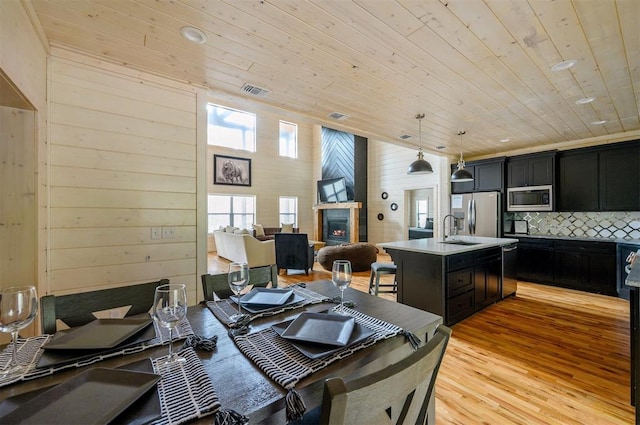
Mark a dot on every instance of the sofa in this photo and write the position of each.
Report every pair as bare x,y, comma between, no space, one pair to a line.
269,233
242,247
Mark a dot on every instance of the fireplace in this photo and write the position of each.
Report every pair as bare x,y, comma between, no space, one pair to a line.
335,227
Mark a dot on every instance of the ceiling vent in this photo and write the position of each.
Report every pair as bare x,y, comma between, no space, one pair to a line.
405,137
255,90
338,116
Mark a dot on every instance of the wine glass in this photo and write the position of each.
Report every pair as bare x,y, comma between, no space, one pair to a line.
341,278
238,280
18,308
169,307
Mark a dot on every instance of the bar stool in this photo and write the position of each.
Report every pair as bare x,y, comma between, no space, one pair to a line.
378,269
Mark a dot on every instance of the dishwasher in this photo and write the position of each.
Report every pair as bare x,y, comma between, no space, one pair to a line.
509,269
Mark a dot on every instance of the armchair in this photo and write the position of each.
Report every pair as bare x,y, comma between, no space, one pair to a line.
294,252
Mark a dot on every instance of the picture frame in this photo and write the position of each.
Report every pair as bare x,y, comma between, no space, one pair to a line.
231,170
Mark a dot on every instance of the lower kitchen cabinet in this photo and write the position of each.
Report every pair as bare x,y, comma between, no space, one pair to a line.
583,265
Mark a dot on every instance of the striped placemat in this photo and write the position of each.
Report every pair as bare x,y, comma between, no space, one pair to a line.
226,308
30,349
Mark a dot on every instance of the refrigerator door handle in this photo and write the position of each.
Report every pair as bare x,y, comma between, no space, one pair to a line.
470,217
473,216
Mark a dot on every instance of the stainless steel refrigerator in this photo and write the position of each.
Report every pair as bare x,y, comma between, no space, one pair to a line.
477,214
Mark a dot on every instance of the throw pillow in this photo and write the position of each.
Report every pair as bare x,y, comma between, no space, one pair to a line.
287,228
259,228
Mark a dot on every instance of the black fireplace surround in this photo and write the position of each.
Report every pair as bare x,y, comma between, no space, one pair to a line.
335,226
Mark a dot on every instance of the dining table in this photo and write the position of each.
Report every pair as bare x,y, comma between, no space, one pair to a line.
243,387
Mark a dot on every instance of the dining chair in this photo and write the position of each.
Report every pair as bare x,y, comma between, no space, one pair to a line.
77,309
398,394
218,283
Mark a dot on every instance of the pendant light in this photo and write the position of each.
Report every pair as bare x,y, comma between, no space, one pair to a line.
420,166
461,175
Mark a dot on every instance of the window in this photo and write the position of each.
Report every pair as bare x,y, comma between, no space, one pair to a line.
422,212
229,210
288,139
231,128
289,210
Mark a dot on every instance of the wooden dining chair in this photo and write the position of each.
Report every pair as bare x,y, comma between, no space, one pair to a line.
398,394
77,309
218,283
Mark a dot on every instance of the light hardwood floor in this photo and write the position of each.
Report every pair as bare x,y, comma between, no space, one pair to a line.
546,356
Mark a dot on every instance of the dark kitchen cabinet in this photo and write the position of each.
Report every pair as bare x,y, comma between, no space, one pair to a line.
619,179
531,170
586,266
488,175
486,279
600,178
535,260
578,181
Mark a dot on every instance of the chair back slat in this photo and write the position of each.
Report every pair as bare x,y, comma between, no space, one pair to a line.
218,283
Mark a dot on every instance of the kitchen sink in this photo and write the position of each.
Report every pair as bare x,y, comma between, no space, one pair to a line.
455,242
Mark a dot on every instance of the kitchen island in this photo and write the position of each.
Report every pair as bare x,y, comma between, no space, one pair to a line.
453,278
633,280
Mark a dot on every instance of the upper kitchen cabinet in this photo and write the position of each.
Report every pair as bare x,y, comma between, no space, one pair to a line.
577,181
600,179
619,169
488,175
531,170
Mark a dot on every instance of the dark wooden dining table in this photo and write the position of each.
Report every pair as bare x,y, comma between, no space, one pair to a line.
243,387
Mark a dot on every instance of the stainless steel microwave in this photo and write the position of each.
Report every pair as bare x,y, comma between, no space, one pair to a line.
530,198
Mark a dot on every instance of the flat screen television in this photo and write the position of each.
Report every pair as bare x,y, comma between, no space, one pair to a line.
332,190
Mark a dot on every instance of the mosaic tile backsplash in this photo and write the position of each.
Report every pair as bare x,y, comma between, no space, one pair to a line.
607,225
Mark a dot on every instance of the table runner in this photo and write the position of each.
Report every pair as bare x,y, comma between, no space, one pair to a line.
30,350
283,363
225,308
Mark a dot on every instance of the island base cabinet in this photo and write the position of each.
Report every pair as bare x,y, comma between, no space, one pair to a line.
460,306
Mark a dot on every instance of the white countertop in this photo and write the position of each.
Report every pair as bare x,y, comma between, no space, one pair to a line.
437,247
576,238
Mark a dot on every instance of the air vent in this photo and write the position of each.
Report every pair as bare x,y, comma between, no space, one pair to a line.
405,137
255,90
338,116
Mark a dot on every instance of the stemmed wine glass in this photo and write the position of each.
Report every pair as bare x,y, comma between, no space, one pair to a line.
341,278
238,280
18,308
169,307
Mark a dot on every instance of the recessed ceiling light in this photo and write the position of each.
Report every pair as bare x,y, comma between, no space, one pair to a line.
505,140
193,34
585,100
598,122
561,66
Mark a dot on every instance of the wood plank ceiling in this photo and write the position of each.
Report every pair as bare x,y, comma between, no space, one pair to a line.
482,66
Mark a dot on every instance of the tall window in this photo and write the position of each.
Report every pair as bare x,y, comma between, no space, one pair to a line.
231,128
229,210
288,139
289,210
422,212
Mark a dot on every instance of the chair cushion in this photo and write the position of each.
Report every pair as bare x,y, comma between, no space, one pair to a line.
360,254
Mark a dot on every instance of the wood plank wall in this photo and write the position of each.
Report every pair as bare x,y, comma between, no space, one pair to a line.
123,160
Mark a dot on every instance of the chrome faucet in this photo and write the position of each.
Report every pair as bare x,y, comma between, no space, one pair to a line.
454,227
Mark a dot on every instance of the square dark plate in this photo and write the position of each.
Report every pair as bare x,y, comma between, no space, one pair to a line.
321,328
254,309
98,334
94,397
314,351
266,296
50,358
143,411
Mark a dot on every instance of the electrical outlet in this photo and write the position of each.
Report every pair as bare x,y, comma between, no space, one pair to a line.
156,232
168,232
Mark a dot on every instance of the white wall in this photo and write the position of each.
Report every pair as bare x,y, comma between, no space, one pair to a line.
388,165
123,160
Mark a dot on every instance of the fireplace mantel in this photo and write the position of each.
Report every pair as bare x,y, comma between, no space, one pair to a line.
354,220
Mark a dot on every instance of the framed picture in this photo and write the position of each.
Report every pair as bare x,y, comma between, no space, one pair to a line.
231,170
